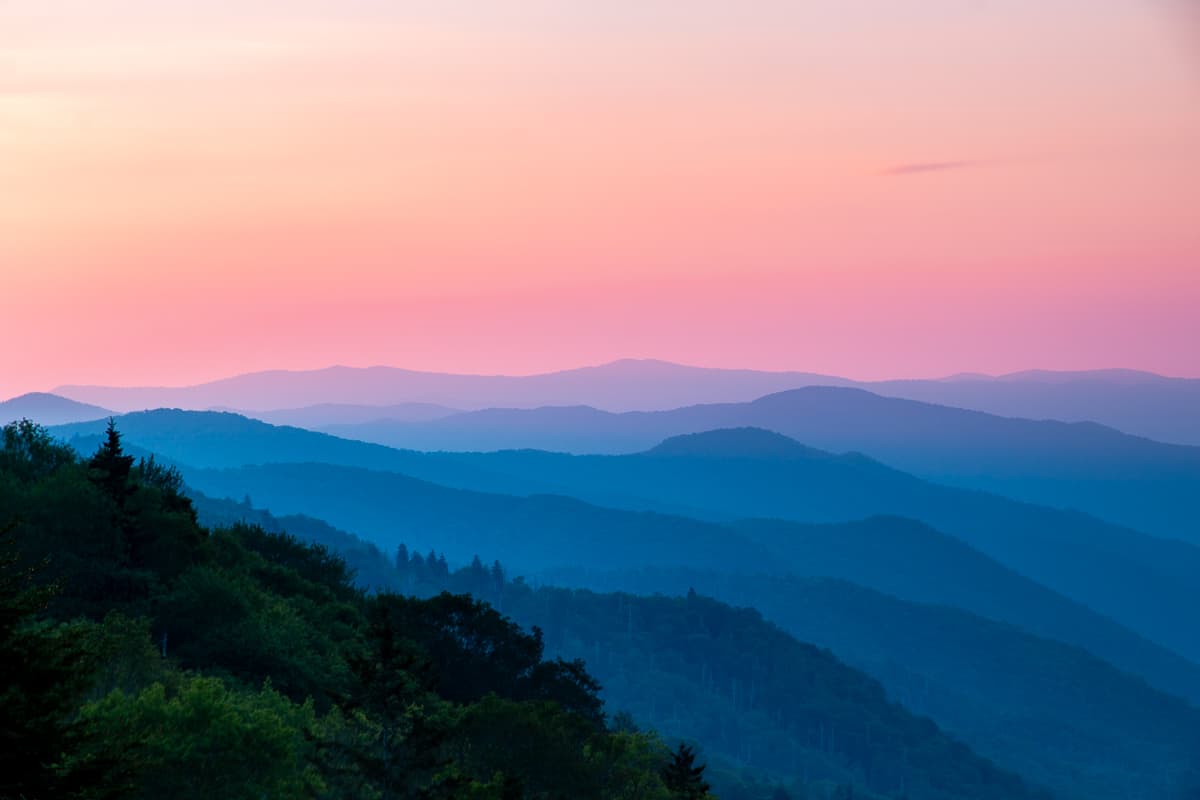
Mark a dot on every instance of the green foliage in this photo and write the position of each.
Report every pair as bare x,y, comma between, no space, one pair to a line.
43,675
754,697
142,656
203,740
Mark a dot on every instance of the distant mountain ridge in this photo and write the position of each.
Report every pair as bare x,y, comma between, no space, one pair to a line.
1126,479
389,507
1141,403
1145,582
620,385
325,414
48,409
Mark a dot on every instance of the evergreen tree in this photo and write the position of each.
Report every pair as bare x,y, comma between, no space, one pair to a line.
683,778
402,558
110,467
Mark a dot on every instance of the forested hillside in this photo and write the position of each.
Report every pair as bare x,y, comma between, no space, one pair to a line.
1143,582
547,532
1056,714
134,640
997,686
144,656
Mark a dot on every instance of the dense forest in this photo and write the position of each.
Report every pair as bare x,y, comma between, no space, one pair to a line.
147,656
1055,713
144,656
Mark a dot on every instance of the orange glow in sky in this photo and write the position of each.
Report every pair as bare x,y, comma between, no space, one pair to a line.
190,190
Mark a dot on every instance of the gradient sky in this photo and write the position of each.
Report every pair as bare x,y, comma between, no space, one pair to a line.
196,188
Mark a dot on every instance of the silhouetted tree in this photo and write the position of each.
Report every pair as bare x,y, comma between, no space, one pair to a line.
683,778
110,467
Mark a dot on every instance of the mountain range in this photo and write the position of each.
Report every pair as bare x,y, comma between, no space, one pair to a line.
1126,479
1145,583
1140,403
995,686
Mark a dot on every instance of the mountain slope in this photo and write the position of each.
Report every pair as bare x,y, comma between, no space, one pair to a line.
752,694
1128,480
317,416
48,409
476,709
1054,713
1144,582
546,532
996,687
1139,403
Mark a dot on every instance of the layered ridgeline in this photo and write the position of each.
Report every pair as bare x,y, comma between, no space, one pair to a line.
1135,482
134,639
1055,714
1140,403
1142,582
1129,480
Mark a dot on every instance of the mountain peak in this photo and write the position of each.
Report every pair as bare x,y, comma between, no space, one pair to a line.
48,409
735,443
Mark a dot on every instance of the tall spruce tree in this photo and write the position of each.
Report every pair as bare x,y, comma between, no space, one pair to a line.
683,778
110,467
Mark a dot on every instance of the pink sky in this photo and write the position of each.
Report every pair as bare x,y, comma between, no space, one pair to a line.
190,190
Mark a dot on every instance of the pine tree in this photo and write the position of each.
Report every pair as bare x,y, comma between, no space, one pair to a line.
683,779
402,558
110,467
476,565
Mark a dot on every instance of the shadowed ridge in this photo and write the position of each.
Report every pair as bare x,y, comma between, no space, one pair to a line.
744,442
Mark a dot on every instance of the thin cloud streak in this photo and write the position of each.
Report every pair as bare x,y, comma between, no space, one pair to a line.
919,167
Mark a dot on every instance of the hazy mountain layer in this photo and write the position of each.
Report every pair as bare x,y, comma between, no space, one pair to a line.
48,409
537,533
1140,403
1126,479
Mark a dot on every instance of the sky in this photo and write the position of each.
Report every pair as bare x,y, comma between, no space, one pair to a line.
192,189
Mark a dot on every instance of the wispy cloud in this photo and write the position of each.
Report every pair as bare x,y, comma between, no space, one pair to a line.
920,167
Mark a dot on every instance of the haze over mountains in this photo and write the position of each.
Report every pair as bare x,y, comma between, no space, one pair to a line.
1127,479
462,504
1135,402
1026,583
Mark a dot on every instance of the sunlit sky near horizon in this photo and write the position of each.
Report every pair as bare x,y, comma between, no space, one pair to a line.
190,190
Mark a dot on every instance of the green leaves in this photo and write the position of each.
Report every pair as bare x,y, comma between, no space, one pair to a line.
245,664
203,740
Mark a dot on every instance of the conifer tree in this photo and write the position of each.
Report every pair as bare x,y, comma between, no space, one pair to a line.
683,779
110,467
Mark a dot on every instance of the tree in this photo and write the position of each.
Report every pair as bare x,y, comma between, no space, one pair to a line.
110,467
685,780
45,668
205,740
29,453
